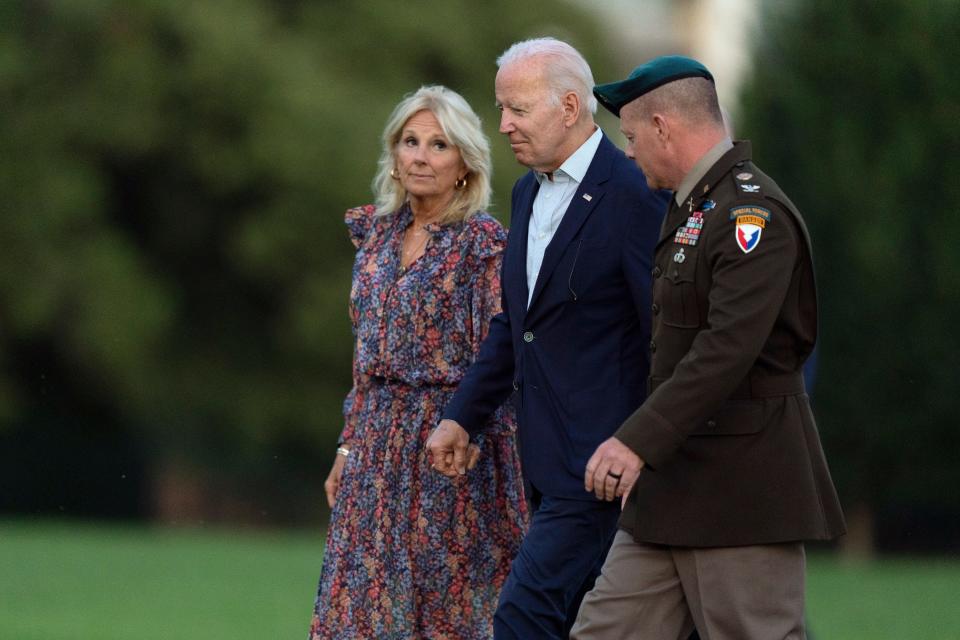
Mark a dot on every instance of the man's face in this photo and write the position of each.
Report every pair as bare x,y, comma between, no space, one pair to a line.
642,144
529,116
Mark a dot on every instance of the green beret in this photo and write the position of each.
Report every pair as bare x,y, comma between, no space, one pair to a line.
646,78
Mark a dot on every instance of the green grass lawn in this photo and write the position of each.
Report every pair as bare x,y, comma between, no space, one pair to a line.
89,582
112,583
902,598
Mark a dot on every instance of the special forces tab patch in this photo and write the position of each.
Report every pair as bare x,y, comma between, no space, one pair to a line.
751,220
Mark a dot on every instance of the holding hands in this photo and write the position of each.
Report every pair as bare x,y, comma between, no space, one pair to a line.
450,451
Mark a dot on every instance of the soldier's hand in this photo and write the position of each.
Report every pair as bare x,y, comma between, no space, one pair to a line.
612,470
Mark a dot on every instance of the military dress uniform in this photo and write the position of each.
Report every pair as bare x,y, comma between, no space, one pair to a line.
735,477
731,448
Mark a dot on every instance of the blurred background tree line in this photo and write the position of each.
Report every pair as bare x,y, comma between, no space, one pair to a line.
174,270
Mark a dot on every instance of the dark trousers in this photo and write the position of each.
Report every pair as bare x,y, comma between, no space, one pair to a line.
558,562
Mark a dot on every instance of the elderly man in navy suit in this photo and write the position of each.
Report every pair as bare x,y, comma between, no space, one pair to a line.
571,344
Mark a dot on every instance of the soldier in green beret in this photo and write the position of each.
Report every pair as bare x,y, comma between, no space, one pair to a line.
721,471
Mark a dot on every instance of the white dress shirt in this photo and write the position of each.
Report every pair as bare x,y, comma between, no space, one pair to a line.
555,194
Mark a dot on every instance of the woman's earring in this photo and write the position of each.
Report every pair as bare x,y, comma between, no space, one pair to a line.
461,183
394,174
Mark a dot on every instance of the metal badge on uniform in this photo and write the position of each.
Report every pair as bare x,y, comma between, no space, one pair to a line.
744,176
679,256
707,205
750,188
587,197
751,220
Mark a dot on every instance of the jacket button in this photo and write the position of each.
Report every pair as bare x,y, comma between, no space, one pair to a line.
655,308
528,336
653,347
712,424
657,271
516,386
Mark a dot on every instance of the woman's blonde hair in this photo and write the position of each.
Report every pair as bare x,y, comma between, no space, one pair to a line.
462,128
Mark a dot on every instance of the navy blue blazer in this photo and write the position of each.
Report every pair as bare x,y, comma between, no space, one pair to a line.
576,361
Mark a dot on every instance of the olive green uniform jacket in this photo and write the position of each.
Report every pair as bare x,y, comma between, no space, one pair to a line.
732,452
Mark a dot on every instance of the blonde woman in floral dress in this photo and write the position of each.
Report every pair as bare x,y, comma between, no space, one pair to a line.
426,282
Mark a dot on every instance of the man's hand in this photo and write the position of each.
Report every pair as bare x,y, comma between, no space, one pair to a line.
450,451
612,470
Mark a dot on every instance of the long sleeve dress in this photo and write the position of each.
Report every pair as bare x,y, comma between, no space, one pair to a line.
411,553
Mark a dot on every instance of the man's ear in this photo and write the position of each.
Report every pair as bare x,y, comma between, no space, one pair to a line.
570,103
662,128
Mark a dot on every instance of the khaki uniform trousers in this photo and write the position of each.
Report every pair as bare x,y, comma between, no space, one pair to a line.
655,592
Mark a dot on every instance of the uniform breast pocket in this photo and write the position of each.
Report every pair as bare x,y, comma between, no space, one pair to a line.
680,306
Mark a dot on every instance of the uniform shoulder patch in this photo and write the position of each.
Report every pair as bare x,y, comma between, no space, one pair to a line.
750,223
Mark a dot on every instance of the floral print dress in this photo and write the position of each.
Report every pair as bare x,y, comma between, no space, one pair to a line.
411,553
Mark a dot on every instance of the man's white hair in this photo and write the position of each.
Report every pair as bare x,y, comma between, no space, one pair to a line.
565,69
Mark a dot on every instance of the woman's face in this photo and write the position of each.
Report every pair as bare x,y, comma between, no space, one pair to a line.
429,164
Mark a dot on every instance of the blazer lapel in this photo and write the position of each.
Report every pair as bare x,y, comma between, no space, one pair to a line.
585,200
517,249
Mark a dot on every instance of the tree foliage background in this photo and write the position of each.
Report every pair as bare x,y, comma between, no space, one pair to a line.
173,264
174,269
854,108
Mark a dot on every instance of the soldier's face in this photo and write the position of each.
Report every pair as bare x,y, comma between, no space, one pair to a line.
642,144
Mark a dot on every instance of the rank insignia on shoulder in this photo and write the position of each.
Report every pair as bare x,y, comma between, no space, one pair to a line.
751,220
750,188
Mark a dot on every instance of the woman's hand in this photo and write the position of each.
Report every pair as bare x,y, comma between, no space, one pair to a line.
332,484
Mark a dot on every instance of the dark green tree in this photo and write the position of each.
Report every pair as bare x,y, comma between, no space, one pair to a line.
854,107
173,264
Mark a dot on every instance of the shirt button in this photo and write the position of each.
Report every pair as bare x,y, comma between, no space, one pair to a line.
528,336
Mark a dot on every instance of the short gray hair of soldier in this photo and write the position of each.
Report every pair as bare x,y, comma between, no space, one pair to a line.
694,99
565,68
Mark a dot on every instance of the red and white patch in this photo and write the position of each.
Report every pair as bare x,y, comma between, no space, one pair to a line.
748,236
751,220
